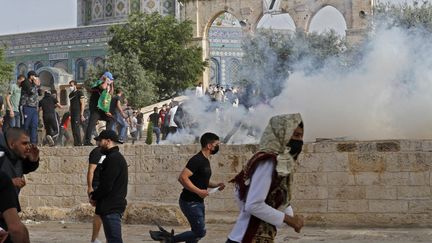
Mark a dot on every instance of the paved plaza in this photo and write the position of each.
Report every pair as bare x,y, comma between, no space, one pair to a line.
80,232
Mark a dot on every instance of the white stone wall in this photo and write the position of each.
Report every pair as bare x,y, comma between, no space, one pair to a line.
379,183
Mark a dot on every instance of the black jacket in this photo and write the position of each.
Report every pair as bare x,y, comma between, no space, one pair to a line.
110,196
13,165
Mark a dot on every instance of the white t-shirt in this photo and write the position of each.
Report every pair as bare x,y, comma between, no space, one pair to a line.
255,203
172,114
199,91
133,124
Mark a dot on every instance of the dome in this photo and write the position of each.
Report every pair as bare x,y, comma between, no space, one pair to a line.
93,12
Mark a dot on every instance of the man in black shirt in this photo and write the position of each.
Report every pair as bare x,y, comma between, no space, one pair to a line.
20,156
96,158
29,105
156,122
49,116
110,196
96,114
77,102
9,208
195,179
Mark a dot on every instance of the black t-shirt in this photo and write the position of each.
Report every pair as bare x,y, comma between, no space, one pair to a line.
75,101
94,98
140,118
200,167
154,118
96,158
48,104
113,105
8,195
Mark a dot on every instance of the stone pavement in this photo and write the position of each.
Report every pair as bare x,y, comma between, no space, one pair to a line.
45,232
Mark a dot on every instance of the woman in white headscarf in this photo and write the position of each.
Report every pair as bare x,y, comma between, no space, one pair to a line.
263,186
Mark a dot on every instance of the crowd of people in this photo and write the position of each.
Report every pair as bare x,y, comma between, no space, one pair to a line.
263,187
25,99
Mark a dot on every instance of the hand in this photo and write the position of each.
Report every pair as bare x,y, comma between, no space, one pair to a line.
19,182
202,193
3,235
109,114
12,114
297,222
82,118
33,153
89,190
92,202
221,186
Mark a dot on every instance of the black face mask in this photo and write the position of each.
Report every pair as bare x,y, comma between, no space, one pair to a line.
215,150
296,147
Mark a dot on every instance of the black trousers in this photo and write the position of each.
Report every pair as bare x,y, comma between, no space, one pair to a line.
95,116
76,128
51,125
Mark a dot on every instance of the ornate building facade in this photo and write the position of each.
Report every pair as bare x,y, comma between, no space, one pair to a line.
59,56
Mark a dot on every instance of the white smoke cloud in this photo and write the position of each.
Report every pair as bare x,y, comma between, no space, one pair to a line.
388,95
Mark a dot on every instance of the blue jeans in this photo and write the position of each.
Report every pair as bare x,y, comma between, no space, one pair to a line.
11,121
158,132
119,120
112,227
195,214
31,120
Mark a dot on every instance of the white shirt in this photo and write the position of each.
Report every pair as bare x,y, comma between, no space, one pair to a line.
171,113
255,202
199,91
134,122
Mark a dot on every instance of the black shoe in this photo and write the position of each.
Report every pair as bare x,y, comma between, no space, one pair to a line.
165,237
88,144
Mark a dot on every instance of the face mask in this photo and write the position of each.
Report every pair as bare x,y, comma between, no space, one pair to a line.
72,89
296,147
215,150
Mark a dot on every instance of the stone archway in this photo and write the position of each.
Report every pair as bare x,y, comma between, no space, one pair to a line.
249,12
52,78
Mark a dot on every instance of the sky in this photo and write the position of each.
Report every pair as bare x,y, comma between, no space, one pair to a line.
19,16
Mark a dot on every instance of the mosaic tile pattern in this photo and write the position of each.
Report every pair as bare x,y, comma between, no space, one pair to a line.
121,8
109,7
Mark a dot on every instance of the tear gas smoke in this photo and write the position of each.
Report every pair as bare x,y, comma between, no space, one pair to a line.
387,95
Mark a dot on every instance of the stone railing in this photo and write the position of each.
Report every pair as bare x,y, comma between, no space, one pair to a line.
377,183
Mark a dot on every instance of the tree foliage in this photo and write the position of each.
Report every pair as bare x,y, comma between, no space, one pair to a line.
408,16
6,71
270,56
162,46
136,83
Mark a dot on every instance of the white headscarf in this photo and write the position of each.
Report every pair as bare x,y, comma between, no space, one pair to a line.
275,138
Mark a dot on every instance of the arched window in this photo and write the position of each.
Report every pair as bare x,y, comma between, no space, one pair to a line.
38,65
99,62
326,19
22,69
80,68
233,69
277,22
214,71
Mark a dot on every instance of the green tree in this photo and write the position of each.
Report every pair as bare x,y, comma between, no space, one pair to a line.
270,56
407,16
163,47
6,71
136,83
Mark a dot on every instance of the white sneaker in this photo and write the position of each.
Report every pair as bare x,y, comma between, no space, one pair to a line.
50,140
96,241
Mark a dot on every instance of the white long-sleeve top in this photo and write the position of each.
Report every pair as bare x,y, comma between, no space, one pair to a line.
255,203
